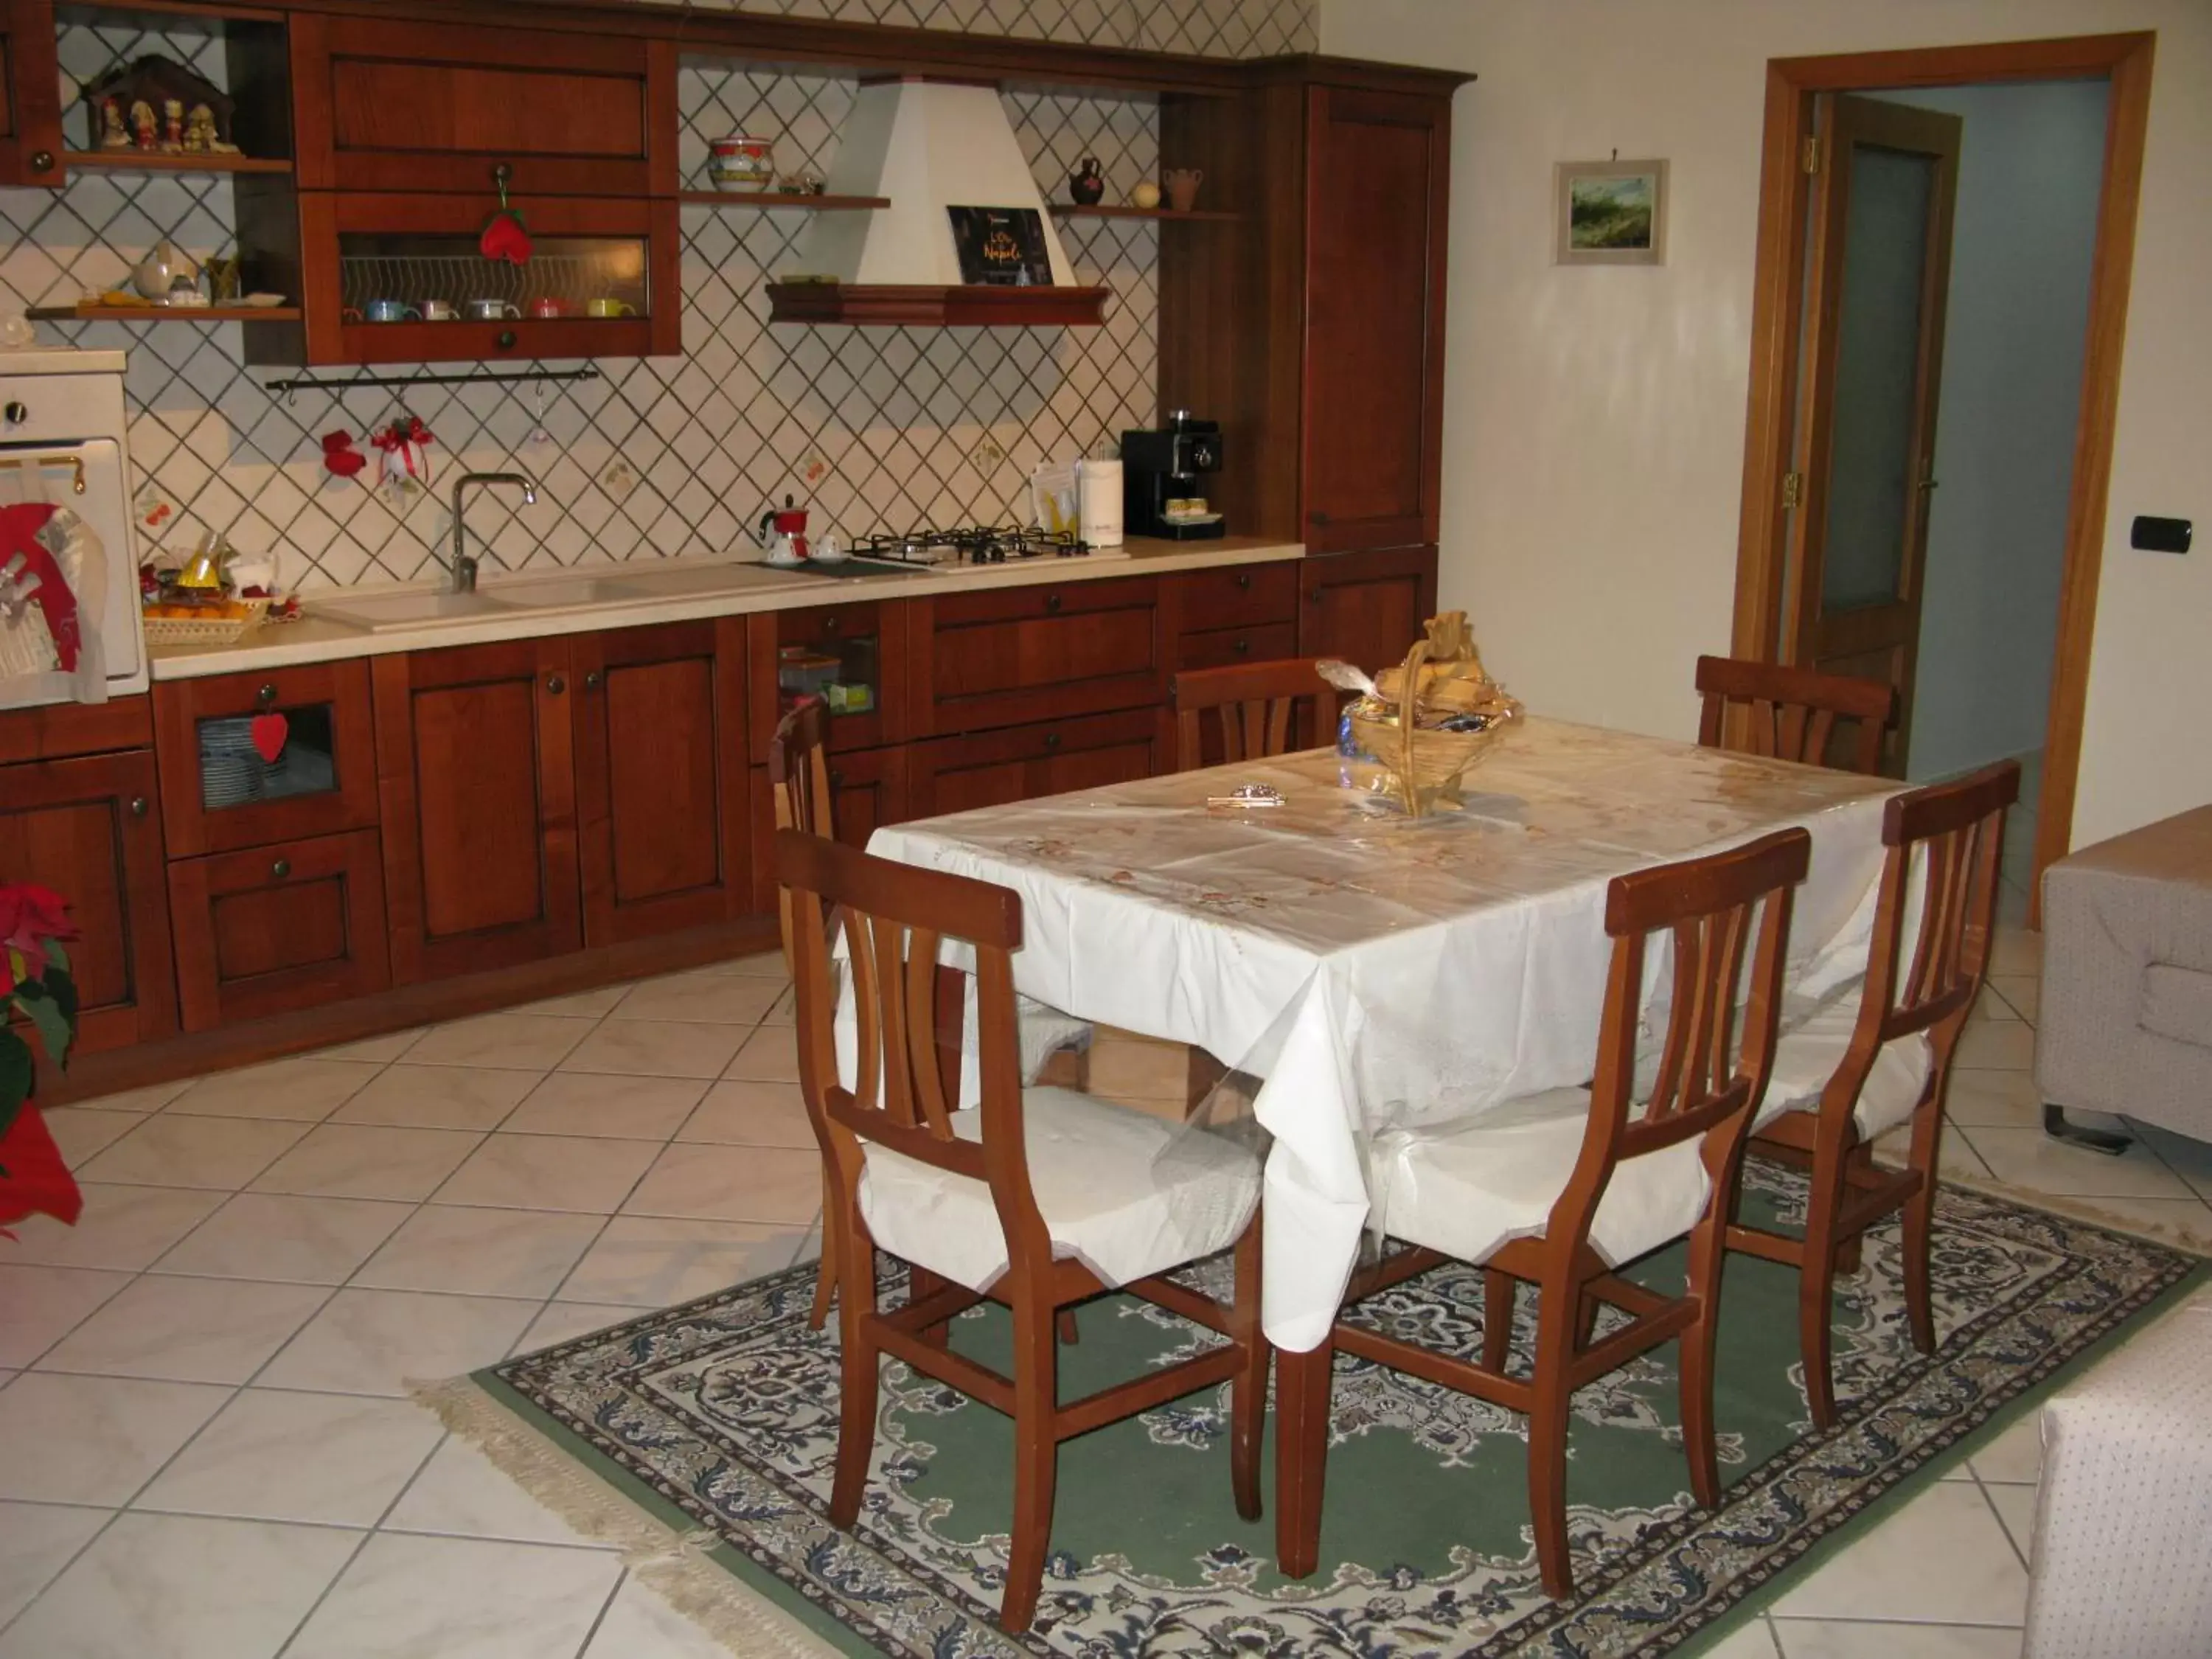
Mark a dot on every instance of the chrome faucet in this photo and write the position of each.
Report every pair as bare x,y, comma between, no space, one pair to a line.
462,565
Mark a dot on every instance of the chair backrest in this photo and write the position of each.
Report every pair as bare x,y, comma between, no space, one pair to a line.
1791,714
799,779
896,918
1945,844
1709,1082
1257,704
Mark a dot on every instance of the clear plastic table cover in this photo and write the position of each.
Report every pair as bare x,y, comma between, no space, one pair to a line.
1367,972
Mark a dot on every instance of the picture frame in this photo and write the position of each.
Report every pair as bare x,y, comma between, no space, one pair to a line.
1609,213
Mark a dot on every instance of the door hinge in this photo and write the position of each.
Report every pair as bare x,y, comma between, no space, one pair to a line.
1793,488
1813,152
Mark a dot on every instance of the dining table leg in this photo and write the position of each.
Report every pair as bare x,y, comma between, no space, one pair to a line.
1302,1389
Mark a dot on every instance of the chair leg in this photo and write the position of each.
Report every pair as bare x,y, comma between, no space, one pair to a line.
921,1282
1708,1255
1036,1455
1499,1290
1547,1444
1816,1277
825,1275
1302,1389
1201,1072
1919,1222
1248,1390
1850,1252
856,1419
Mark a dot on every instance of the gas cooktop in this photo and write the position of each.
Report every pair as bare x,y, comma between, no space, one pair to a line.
970,544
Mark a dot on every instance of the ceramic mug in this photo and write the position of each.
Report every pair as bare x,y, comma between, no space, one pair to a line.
741,163
490,311
549,306
609,308
439,310
390,311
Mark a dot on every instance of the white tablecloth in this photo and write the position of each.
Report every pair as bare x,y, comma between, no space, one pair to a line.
1376,971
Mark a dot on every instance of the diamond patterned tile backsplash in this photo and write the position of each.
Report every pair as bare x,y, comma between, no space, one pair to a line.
662,457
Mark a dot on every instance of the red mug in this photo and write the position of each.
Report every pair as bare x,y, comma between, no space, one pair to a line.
548,306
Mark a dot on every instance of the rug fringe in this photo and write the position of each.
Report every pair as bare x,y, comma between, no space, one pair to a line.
2195,1238
674,1564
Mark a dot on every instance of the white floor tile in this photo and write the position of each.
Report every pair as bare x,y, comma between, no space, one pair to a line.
125,1228
2022,992
525,1253
2032,1160
616,1107
2189,1160
182,1587
1755,1641
769,964
269,1455
639,1625
459,1598
390,1046
550,1172
39,1306
655,1261
305,1091
562,1321
273,1236
2015,1458
353,1160
770,1056
169,1151
1995,1045
378,1342
80,1132
2006,1100
151,1098
2016,950
712,999
1990,1006
187,1330
768,1184
2016,1507
1811,1638
579,1005
411,1097
94,1439
36,1542
528,1042
748,1113
460,1494
656,1047
1943,1559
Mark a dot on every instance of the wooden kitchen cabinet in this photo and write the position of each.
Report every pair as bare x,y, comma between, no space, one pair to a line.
219,794
1367,608
381,103
662,792
1012,656
278,928
87,827
477,778
867,790
30,101
995,768
853,656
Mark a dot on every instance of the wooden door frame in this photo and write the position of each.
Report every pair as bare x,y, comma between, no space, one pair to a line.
1792,85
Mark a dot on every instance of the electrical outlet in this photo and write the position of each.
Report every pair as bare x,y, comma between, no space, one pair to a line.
987,456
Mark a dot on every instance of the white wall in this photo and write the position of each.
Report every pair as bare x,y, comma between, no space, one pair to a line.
1593,415
2031,167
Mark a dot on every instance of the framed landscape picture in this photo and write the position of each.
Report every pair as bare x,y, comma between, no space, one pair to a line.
1609,213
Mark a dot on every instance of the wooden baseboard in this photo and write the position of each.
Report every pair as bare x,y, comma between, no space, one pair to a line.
402,1007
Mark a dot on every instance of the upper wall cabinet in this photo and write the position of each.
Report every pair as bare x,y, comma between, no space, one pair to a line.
383,106
30,102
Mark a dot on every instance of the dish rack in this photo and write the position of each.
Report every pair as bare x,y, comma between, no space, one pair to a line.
204,630
1433,716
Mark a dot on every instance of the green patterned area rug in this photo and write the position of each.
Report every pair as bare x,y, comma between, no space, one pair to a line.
716,1423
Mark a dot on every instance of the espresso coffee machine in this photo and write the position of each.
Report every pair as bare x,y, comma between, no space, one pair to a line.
1163,475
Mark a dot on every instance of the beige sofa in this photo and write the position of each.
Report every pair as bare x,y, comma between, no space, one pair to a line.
2126,1019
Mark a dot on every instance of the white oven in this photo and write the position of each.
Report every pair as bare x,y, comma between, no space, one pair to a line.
62,439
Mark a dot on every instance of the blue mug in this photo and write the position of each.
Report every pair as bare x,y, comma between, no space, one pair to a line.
391,311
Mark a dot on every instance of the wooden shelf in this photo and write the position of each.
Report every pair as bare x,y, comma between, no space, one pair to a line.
135,160
164,314
777,198
1070,210
976,306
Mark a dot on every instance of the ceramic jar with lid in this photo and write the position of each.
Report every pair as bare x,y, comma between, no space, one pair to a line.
740,162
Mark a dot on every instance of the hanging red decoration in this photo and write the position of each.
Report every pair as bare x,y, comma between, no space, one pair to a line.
403,443
340,457
504,236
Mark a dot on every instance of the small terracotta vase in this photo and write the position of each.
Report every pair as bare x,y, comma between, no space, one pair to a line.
1086,185
1182,184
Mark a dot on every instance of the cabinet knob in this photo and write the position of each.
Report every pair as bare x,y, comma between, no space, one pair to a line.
829,625
1316,518
504,339
555,684
138,806
42,161
836,780
1244,579
267,694
1052,605
593,680
502,175
281,868
1243,647
1314,594
16,413
1052,739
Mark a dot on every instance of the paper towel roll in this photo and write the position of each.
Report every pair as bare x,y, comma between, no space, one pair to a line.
1099,485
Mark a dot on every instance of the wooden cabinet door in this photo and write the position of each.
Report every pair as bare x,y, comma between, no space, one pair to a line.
476,774
861,647
381,104
1013,656
279,929
1366,607
88,829
867,790
992,769
217,792
30,101
1376,189
661,784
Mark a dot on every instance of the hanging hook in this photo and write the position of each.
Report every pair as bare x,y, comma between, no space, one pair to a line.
500,175
77,484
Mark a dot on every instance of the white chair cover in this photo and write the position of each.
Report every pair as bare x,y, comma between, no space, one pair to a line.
1807,1057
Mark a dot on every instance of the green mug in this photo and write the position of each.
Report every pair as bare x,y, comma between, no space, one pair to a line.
609,308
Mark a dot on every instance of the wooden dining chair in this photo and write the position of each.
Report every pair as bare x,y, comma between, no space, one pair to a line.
1560,1189
1006,1201
1882,1057
798,776
1255,705
1791,714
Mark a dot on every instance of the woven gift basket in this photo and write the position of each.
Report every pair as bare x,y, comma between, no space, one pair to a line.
1433,717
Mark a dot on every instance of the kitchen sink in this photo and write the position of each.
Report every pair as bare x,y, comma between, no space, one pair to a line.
561,592
378,613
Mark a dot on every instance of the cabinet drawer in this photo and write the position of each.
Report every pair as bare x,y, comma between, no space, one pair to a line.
219,792
1221,648
955,775
381,105
1246,593
1032,653
279,929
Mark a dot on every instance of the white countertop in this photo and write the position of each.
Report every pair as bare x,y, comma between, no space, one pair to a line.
311,640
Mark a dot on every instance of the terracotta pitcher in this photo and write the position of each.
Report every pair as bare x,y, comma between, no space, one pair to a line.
1182,184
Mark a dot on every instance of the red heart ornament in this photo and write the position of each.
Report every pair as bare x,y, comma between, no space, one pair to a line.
505,238
268,732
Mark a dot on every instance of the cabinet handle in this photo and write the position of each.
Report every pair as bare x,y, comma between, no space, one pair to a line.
1052,739
504,339
16,414
138,806
1316,518
1052,605
1244,581
836,780
266,694
1243,647
1313,593
829,625
281,869
593,680
555,684
42,161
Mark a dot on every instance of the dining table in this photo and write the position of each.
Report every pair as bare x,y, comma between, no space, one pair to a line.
1371,972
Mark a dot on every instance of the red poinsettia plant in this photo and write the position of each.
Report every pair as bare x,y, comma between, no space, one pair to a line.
36,995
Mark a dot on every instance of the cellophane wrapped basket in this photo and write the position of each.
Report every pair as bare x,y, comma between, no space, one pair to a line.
1433,716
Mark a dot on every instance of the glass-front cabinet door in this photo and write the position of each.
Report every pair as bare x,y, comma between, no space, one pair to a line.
849,655
406,279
